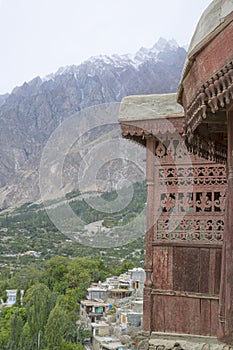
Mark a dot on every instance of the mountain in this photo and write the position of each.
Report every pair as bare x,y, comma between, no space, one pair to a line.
34,110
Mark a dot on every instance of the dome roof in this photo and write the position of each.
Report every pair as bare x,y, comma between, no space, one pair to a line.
210,20
213,20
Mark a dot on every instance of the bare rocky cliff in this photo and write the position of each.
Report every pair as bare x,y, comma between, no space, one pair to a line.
33,111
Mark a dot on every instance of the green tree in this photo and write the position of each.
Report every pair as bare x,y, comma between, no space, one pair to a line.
127,265
27,276
6,316
71,346
83,333
55,328
25,340
18,298
39,302
55,270
16,331
4,296
69,301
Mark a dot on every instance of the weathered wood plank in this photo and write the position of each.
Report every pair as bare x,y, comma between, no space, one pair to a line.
170,268
205,317
192,269
193,312
204,270
158,315
162,276
218,270
178,268
184,326
214,317
212,271
172,314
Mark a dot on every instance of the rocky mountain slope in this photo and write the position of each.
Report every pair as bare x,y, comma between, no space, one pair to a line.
33,111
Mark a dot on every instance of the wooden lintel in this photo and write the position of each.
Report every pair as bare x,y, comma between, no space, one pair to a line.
184,294
197,244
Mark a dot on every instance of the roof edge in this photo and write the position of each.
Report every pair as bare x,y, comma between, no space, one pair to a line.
149,107
198,48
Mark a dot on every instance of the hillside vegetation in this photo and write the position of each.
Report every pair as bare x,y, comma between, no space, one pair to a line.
28,235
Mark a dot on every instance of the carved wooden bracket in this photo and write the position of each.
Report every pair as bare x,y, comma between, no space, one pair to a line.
214,94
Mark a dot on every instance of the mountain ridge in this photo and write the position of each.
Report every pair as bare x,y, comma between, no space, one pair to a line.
34,110
142,55
121,60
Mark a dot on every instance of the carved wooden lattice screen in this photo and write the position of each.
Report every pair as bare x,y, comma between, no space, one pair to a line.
190,197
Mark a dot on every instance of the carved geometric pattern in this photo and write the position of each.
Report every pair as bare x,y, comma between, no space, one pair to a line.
190,199
168,146
191,229
192,202
192,175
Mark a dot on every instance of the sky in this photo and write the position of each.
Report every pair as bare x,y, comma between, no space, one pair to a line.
39,36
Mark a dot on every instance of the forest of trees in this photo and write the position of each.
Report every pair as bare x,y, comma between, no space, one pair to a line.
55,280
46,317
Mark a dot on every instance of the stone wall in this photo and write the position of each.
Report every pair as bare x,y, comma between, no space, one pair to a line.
161,341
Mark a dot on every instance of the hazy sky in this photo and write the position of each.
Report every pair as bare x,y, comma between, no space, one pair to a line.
39,36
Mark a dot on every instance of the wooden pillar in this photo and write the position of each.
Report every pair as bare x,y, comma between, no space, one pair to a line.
147,302
225,332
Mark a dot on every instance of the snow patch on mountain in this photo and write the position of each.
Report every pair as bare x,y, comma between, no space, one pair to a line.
120,61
